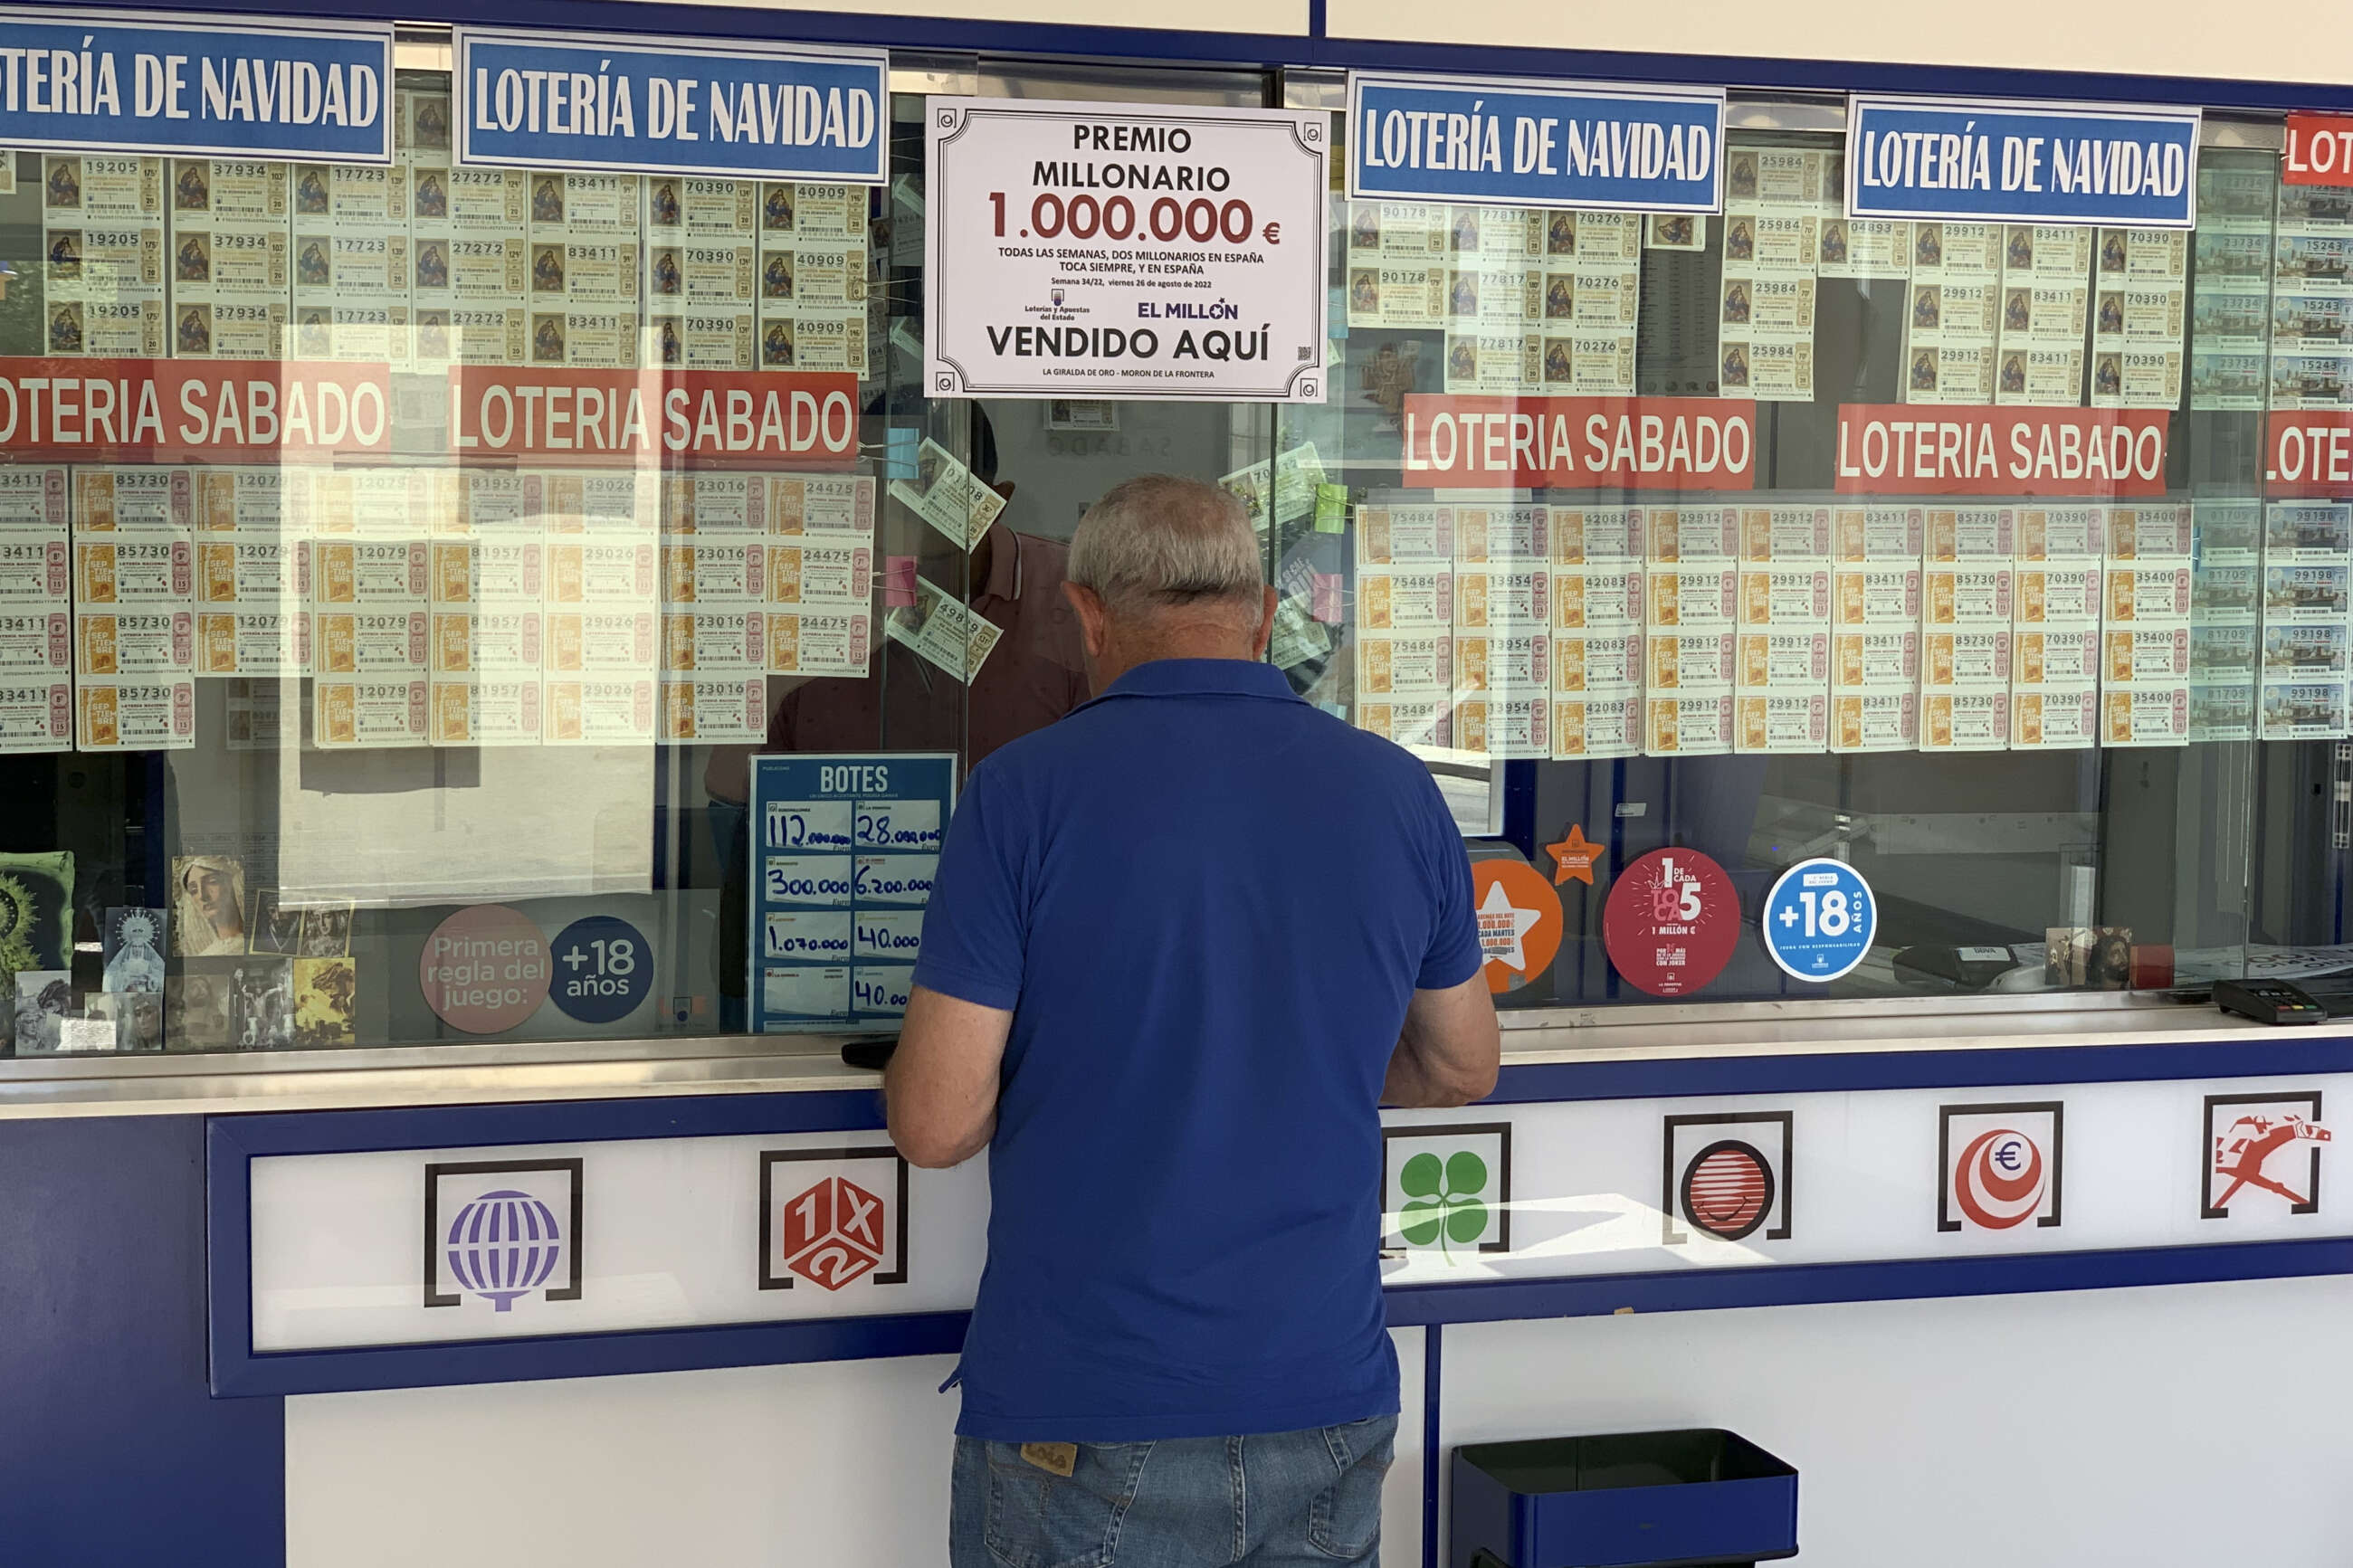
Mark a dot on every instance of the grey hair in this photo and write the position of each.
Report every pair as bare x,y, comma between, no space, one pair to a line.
1157,540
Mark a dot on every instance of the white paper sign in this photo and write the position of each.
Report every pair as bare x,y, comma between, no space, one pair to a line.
1120,250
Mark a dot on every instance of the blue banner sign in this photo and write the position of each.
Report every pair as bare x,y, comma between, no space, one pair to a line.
2021,163
1535,143
843,851
672,106
129,81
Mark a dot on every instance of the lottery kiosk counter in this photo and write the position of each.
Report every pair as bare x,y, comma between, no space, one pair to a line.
515,528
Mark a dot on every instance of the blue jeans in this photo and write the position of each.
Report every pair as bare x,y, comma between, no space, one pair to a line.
1287,1499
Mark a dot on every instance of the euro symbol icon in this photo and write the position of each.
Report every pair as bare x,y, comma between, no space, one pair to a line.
1273,233
2006,1155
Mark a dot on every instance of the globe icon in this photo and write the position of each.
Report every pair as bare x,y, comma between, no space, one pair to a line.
504,1244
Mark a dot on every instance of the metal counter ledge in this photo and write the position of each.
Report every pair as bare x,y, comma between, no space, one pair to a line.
464,1073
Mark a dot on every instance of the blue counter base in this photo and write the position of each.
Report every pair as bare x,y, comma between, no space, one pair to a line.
113,1454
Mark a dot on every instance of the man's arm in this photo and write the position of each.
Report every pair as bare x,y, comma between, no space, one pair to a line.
1449,1050
941,1085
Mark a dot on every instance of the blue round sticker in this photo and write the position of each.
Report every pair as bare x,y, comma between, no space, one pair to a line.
603,969
1820,920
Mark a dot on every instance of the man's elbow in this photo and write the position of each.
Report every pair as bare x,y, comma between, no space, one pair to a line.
1460,1084
936,1147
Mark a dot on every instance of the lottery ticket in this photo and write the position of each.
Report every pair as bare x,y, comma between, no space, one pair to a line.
1597,661
1404,663
1688,725
1404,597
2055,657
1782,660
143,642
1693,533
704,339
1505,726
1785,596
375,643
487,711
2059,718
2161,533
1595,362
1699,598
2316,532
1878,534
1394,534
1781,721
1596,727
2134,378
1412,721
1689,661
2159,595
1483,533
37,714
600,642
2303,710
2219,653
1875,721
2303,651
1501,595
719,709
1985,534
1880,661
1965,720
2225,593
495,642
1962,595
134,714
1584,535
2062,533
1876,595
1493,362
2039,377
2222,711
820,577
2060,595
820,504
716,640
146,570
1971,661
1863,247
942,633
599,713
1767,368
819,643
950,497
1797,535
129,499
2149,716
1600,599
602,572
376,574
698,569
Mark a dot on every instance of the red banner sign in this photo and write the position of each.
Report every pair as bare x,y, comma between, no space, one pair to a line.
212,411
2308,452
143,410
735,418
1580,443
2318,150
1909,449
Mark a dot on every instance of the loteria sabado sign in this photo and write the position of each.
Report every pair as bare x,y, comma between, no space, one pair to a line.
173,411
1579,443
1903,449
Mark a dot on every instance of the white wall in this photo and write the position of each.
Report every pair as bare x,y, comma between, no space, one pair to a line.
2190,1424
2278,40
842,1462
2169,1427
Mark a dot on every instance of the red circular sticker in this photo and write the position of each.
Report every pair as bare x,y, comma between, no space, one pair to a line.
484,969
1519,921
1672,921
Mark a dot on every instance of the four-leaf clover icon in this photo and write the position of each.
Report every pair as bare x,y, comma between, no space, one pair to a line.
1442,1202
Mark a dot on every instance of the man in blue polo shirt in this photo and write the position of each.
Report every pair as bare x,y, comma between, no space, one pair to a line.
1182,944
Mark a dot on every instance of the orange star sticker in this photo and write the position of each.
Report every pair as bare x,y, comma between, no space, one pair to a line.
1575,855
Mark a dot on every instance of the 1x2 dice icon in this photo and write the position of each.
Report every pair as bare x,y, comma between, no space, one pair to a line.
833,1233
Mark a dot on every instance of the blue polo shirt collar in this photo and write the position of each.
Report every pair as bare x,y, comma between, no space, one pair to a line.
1202,678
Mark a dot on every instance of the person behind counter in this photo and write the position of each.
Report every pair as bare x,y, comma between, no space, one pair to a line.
1179,947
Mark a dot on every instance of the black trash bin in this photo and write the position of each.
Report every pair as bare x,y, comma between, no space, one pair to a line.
1699,1499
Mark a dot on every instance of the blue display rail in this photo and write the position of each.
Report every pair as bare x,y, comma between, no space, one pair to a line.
233,1143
